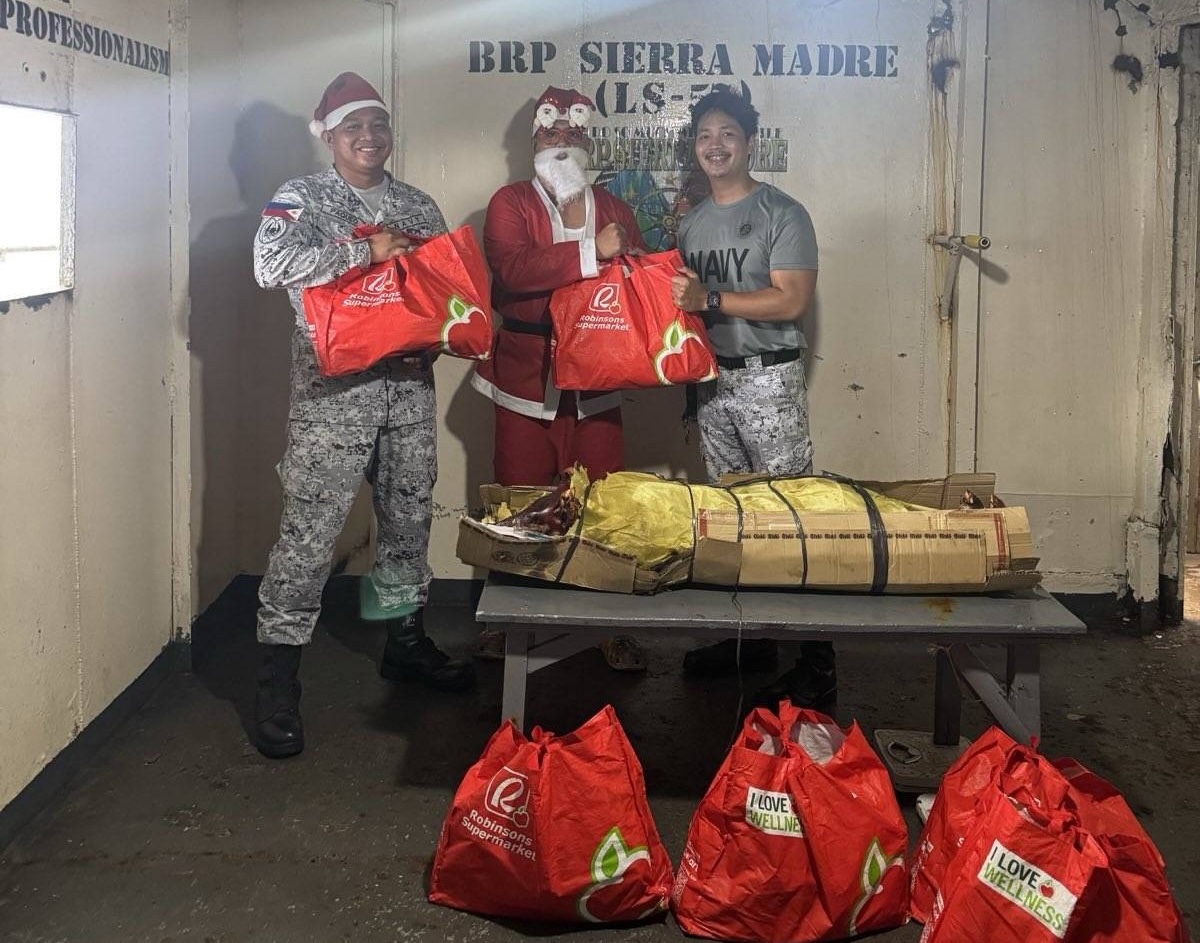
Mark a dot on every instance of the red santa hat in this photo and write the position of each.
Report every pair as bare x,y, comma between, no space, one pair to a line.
348,92
562,104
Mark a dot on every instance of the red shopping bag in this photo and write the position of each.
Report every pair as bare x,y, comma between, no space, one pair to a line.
1130,900
798,838
434,299
953,814
857,833
621,330
1019,876
1127,897
554,828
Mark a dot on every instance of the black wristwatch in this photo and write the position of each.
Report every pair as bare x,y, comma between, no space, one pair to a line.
713,301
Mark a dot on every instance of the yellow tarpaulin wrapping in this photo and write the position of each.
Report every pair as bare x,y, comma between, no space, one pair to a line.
654,519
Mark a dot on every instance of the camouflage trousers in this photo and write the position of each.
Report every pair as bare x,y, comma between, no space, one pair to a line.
755,420
321,472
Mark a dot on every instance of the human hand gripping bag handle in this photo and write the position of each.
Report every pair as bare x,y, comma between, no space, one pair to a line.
621,330
554,829
434,299
782,849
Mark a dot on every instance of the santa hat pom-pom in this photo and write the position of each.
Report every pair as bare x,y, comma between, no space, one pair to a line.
316,128
580,115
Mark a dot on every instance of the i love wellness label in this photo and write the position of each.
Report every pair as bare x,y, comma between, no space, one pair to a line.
1033,890
771,812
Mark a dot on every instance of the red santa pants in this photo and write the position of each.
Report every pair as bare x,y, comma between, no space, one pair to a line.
534,451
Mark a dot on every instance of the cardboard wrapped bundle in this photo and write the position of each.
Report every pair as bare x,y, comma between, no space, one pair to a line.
932,547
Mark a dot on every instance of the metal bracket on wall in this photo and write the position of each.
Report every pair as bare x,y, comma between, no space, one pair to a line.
955,246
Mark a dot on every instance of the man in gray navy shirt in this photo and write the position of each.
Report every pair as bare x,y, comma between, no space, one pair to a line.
751,256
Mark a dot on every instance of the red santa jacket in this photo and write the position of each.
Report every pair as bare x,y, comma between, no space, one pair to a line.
529,256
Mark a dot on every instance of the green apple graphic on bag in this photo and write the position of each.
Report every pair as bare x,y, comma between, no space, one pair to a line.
670,364
459,315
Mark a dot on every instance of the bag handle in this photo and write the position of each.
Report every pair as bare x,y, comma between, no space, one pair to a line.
639,261
1044,793
777,726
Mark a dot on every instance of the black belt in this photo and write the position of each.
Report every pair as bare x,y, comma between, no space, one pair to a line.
767,358
526,327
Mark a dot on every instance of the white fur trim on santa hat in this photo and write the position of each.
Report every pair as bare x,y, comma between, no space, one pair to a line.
338,115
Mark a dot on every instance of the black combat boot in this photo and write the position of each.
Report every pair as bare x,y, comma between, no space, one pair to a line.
410,655
811,683
279,732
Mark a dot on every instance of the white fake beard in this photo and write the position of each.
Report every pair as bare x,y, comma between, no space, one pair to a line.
565,177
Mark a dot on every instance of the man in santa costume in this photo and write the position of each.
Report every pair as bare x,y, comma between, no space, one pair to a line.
539,235
379,423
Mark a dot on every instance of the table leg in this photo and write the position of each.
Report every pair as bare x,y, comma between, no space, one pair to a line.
1014,705
1023,684
947,702
516,673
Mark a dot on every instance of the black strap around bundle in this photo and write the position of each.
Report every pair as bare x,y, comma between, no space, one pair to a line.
879,544
525,327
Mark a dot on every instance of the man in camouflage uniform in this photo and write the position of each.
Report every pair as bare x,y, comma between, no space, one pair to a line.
751,254
379,423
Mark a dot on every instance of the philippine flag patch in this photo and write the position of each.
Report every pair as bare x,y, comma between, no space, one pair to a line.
289,211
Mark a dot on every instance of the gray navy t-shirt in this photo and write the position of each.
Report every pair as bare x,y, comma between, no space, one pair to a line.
734,248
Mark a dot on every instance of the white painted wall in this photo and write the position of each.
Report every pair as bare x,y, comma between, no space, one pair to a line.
216,276
1060,307
256,72
857,160
1062,184
85,486
1073,186
1054,163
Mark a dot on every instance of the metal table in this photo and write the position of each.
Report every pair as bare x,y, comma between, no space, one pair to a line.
545,623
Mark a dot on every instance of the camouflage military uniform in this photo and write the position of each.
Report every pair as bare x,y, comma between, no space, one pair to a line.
756,420
379,423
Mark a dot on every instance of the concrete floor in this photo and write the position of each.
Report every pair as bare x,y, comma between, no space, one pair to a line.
180,831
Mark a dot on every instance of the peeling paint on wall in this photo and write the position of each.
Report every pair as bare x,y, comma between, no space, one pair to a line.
939,73
1131,66
33,302
1123,62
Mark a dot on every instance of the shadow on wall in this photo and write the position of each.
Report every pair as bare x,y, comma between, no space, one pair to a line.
469,417
241,337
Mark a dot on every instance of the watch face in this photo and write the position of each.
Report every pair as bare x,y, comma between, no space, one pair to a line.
714,300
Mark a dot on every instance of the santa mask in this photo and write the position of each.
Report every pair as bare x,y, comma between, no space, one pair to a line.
562,171
562,168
